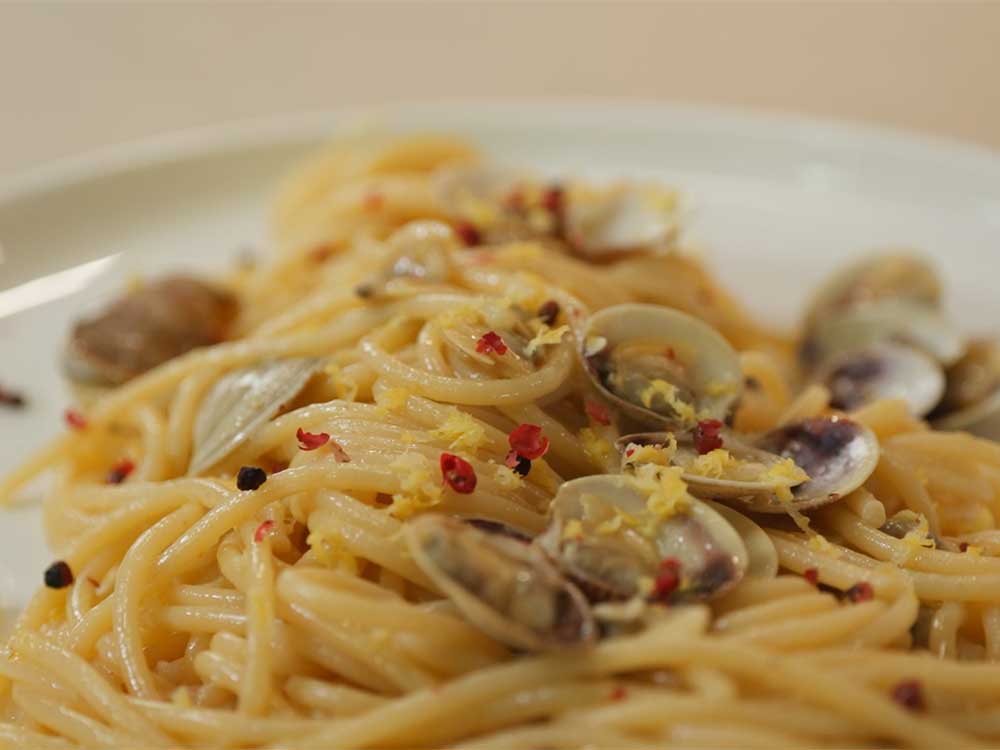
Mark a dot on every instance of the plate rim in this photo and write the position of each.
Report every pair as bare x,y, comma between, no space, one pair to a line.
234,135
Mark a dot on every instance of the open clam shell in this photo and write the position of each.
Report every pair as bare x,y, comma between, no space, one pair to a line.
897,320
837,453
796,467
883,370
661,367
621,218
605,537
503,586
745,469
762,555
877,277
972,395
240,402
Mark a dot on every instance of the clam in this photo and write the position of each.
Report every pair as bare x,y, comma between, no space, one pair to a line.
145,328
503,586
660,367
467,191
883,370
972,395
762,555
621,218
603,535
240,402
896,320
877,277
795,467
420,250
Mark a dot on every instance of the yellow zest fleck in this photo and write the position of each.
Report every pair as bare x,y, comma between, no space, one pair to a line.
712,464
668,393
508,478
135,283
545,337
394,399
973,550
788,474
718,388
419,488
661,455
540,220
477,210
915,539
461,431
572,529
597,448
665,490
329,550
522,251
820,543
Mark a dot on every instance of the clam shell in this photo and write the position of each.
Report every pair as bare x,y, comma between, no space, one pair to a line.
611,561
619,219
900,321
763,557
877,277
883,370
240,402
972,396
505,587
711,370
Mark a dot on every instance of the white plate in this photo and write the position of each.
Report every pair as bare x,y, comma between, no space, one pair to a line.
776,202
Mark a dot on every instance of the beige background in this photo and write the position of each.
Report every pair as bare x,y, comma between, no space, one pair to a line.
78,76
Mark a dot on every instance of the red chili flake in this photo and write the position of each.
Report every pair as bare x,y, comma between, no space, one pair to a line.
548,313
860,592
619,693
458,473
629,452
811,575
310,441
75,419
339,453
528,441
668,579
520,465
374,201
669,353
13,399
491,341
120,471
468,233
964,546
706,435
263,530
910,695
58,575
597,411
250,478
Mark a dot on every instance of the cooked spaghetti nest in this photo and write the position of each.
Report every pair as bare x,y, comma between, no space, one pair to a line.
486,460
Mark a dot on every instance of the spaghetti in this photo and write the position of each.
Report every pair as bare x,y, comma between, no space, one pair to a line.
271,599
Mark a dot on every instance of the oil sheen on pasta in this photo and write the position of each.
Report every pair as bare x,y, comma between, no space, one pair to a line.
294,615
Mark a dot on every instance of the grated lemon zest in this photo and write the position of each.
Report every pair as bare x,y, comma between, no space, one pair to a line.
597,448
718,388
974,550
668,392
545,337
329,549
661,455
419,489
712,464
461,431
666,492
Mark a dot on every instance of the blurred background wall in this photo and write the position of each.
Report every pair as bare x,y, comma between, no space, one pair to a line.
77,76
